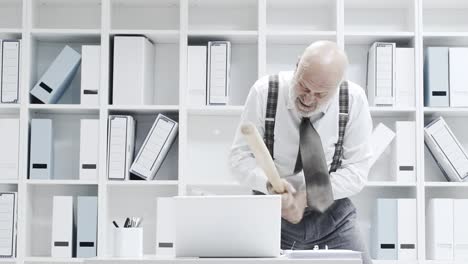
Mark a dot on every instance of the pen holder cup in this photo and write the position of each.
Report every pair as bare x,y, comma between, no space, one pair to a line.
128,242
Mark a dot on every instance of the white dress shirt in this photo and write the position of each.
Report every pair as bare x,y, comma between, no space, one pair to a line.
348,180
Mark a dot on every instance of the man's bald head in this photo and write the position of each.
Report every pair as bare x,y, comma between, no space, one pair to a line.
319,72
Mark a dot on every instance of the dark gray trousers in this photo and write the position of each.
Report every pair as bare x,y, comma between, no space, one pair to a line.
336,228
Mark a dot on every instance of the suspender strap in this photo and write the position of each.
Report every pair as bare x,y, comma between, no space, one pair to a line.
272,102
342,122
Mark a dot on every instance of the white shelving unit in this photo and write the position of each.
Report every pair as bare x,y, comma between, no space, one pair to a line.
267,36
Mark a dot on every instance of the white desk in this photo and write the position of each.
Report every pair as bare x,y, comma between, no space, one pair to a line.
171,260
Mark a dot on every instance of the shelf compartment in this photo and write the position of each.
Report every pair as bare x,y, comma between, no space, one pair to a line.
308,15
11,14
66,14
169,170
124,201
46,46
39,208
380,15
223,15
145,14
66,144
442,16
166,71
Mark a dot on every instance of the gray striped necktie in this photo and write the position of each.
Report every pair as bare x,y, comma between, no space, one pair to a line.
312,160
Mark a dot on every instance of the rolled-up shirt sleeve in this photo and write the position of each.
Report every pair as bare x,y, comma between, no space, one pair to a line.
242,160
351,177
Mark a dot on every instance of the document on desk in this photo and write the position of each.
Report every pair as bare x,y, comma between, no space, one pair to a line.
7,224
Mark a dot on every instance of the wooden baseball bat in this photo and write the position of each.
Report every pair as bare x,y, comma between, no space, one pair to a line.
262,156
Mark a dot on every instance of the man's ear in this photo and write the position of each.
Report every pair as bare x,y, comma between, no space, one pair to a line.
297,62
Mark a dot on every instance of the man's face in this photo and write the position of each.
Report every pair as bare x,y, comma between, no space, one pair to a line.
311,93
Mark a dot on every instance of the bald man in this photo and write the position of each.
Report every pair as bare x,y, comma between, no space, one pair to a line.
336,112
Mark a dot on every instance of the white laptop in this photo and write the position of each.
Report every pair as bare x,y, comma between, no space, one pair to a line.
228,226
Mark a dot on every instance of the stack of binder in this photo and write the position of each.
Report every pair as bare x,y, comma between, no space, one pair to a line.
448,232
395,230
390,75
445,77
150,156
447,151
209,73
65,239
58,77
10,61
8,218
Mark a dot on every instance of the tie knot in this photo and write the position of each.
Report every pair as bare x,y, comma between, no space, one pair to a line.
305,119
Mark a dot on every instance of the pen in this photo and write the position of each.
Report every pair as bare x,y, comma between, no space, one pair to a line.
127,222
115,224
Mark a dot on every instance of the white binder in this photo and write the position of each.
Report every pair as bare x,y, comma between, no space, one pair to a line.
9,148
41,153
460,232
385,230
458,79
58,77
8,218
440,226
165,227
155,147
405,151
196,75
90,74
86,226
446,150
62,227
120,146
405,80
380,139
407,227
381,74
10,71
219,68
89,149
133,71
436,77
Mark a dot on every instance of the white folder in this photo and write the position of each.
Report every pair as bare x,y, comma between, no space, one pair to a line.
58,76
155,148
440,226
165,227
120,146
405,151
385,229
196,75
89,149
9,148
133,71
460,232
381,74
380,139
458,79
62,227
436,77
41,153
219,67
86,226
10,65
446,150
407,226
405,81
90,74
8,218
